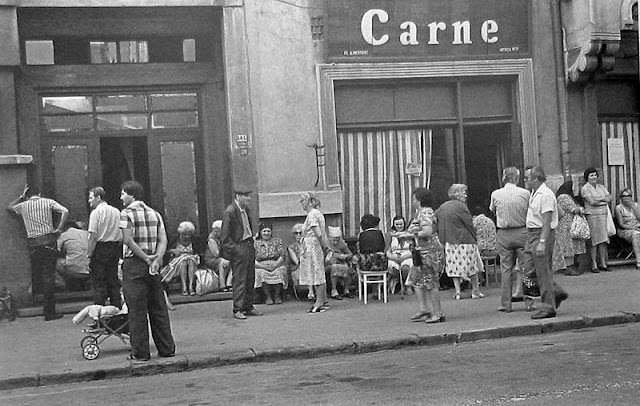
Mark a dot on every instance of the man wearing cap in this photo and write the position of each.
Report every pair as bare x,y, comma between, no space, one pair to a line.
237,247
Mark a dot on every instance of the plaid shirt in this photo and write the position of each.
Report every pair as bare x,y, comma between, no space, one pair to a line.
145,224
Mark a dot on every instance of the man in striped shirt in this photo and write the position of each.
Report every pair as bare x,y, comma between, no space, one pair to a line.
37,215
145,241
510,204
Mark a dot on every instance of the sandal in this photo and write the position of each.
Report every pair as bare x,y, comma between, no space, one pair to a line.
418,316
185,292
478,295
317,310
457,296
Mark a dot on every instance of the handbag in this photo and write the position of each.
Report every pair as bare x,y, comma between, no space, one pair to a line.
611,226
207,281
580,228
530,285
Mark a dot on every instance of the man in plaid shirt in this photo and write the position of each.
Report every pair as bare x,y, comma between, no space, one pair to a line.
145,242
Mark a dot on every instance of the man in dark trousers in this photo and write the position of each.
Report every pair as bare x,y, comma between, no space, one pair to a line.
105,248
237,247
37,215
145,240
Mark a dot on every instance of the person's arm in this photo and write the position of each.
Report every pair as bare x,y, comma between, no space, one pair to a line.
544,233
161,247
293,256
64,215
91,245
587,195
321,236
127,239
12,206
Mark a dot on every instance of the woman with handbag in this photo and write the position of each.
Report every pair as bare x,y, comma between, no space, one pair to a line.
628,216
428,259
596,199
569,211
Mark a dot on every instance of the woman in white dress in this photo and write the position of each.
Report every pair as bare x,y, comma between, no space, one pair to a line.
314,241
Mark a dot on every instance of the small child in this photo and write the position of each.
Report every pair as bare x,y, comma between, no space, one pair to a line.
338,263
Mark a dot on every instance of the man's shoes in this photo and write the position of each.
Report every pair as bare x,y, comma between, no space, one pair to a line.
504,309
132,357
173,354
543,315
517,299
253,312
239,316
605,269
54,316
560,297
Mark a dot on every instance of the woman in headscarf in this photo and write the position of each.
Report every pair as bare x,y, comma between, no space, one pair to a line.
271,271
568,207
456,231
338,263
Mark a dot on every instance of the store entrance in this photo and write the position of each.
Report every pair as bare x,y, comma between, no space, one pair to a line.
484,158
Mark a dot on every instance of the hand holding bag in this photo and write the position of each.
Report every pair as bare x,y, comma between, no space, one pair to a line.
580,228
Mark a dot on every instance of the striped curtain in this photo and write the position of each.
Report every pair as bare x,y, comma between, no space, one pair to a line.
373,170
617,177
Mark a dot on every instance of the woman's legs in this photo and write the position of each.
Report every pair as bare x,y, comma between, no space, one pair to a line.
182,270
191,271
593,251
456,284
635,242
277,293
602,252
268,299
224,270
475,287
321,295
423,305
434,297
334,285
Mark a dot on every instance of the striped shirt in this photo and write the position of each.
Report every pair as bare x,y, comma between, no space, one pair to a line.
37,215
510,204
145,224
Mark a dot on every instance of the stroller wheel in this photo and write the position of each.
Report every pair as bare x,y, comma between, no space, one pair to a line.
91,351
86,340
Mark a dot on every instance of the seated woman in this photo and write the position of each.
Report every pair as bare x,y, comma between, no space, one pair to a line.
271,270
214,261
338,263
399,243
295,250
183,257
371,246
628,216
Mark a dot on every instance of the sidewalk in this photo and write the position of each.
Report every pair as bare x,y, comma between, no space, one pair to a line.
37,353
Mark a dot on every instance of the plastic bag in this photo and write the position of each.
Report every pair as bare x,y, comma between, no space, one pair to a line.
207,281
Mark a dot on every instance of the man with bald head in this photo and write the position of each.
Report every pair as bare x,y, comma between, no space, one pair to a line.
510,204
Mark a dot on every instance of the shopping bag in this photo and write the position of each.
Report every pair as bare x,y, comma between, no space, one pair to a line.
580,228
611,226
206,282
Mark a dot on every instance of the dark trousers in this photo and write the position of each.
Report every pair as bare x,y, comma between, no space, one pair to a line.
511,242
541,265
43,267
104,273
243,276
144,296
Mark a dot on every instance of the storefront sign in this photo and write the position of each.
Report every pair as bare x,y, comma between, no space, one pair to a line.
410,30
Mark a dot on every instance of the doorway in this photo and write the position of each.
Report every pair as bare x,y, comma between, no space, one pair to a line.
122,159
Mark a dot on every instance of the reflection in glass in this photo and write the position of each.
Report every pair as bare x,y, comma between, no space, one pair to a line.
66,104
121,102
134,52
122,121
119,52
174,119
68,123
173,101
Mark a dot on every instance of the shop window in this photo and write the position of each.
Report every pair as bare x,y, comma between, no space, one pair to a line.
39,52
119,52
134,111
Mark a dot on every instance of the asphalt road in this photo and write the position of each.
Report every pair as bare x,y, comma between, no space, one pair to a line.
599,366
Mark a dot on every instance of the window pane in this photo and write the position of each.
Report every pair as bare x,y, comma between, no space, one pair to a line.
175,119
66,104
120,102
39,52
134,52
103,52
67,123
173,101
122,121
189,50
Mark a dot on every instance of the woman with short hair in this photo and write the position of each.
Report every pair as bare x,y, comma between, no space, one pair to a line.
628,216
596,198
183,256
271,270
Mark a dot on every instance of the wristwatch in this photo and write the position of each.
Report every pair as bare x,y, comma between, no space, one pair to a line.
542,240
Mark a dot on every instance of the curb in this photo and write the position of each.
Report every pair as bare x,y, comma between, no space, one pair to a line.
184,363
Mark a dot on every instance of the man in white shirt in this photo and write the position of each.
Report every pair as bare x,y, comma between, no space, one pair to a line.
542,220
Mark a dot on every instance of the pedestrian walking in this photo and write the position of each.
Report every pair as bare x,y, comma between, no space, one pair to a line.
237,247
145,240
541,222
42,235
105,249
510,204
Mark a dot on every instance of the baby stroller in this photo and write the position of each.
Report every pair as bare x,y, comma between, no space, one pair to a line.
104,327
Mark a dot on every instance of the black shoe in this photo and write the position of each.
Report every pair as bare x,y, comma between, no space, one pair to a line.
54,316
173,354
560,298
543,315
132,357
572,272
605,269
517,299
595,270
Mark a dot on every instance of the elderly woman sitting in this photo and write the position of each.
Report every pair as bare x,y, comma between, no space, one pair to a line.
271,270
628,216
338,263
183,256
214,261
